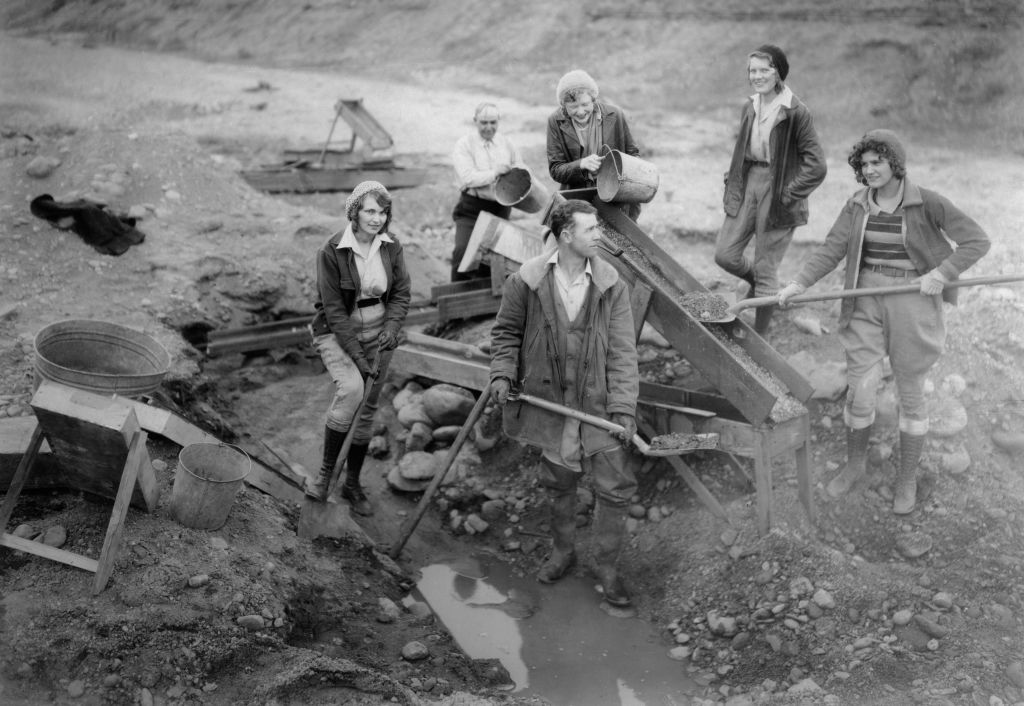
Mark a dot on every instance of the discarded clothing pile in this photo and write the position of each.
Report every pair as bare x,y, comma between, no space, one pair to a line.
106,232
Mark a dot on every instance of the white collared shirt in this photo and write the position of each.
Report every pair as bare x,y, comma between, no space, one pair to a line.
475,162
765,118
572,293
373,280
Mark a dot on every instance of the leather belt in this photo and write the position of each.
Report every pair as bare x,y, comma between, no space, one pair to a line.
892,271
372,301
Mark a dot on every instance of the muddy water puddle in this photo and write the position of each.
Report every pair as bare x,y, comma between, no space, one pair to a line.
555,641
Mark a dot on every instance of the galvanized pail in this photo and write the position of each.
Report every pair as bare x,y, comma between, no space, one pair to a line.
623,178
205,483
519,189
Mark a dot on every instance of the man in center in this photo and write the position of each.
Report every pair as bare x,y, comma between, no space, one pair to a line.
564,333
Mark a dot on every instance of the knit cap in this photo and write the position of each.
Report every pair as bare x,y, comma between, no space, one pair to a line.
890,140
356,197
573,81
778,59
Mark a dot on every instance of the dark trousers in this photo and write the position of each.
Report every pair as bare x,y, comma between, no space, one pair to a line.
464,214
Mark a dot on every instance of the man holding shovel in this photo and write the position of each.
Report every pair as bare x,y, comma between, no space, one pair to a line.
564,333
891,232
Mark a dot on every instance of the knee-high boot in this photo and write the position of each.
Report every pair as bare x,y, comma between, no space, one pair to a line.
351,490
333,441
856,462
905,493
609,532
563,535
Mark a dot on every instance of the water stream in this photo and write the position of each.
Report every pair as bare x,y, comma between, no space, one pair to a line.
555,641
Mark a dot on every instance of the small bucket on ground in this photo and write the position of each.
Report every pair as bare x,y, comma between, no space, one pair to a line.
519,189
205,483
623,178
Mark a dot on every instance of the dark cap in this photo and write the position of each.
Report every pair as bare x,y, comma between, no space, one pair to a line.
778,59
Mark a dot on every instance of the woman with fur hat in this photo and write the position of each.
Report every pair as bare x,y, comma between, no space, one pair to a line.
578,129
891,232
362,299
776,163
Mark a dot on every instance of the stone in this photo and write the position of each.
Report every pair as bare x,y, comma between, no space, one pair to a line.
1015,673
378,447
931,627
679,653
54,536
637,511
398,482
198,580
475,524
804,686
729,536
446,433
251,623
1009,441
410,393
902,617
492,510
412,413
447,404
76,688
25,531
159,465
419,436
740,640
823,599
955,462
721,625
418,465
914,544
388,609
415,651
41,167
946,416
942,600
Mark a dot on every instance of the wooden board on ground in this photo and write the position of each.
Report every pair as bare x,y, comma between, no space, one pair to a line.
90,435
286,179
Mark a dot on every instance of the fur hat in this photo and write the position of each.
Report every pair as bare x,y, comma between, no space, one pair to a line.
779,59
890,140
356,197
574,81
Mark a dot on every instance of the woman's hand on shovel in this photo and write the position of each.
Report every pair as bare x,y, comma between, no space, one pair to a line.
792,289
628,424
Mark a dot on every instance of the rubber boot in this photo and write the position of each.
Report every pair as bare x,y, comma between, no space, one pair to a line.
905,492
351,490
563,535
333,441
609,531
762,318
856,462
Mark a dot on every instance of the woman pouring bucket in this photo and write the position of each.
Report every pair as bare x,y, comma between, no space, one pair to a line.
584,133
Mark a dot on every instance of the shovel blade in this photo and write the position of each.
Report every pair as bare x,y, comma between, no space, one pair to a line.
320,519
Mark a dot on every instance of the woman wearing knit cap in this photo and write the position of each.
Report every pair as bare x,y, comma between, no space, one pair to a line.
578,129
776,164
362,299
891,232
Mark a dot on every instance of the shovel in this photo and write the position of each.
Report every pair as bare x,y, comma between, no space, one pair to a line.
665,445
316,517
862,292
410,524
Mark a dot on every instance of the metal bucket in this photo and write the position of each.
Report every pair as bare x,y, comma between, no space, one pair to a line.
623,178
101,357
518,188
206,482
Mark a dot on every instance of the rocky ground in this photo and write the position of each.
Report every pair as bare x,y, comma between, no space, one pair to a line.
863,607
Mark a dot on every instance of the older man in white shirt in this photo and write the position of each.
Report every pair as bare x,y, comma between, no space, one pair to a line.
479,159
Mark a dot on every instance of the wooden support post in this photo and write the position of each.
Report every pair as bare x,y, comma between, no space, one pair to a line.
805,483
115,528
18,482
763,484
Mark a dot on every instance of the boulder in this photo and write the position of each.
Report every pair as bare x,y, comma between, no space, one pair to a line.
410,393
418,465
41,167
446,433
419,436
446,404
397,482
412,413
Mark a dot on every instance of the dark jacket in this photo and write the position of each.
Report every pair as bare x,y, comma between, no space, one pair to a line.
527,349
797,165
565,151
337,281
106,232
931,221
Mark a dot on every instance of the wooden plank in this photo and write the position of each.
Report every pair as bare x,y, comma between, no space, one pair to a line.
469,285
639,300
463,306
763,488
485,232
11,498
805,483
48,552
520,244
363,124
137,459
89,434
291,180
471,372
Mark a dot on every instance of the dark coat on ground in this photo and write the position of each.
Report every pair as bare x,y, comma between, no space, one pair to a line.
106,232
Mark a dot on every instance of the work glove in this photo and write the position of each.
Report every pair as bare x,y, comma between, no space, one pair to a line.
932,283
790,290
499,390
628,424
389,339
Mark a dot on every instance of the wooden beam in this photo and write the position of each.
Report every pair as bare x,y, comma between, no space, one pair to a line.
11,498
466,305
639,300
48,552
133,465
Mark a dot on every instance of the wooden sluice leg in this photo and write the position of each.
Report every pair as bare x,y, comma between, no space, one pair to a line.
803,471
20,475
763,484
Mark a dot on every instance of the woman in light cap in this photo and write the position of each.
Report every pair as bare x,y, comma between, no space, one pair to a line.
362,299
776,163
578,129
892,232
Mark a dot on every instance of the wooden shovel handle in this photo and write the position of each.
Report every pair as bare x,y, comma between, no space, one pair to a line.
591,419
870,291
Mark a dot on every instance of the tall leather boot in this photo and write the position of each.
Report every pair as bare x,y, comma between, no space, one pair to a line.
609,531
563,535
763,317
905,493
351,490
333,441
856,462
749,279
